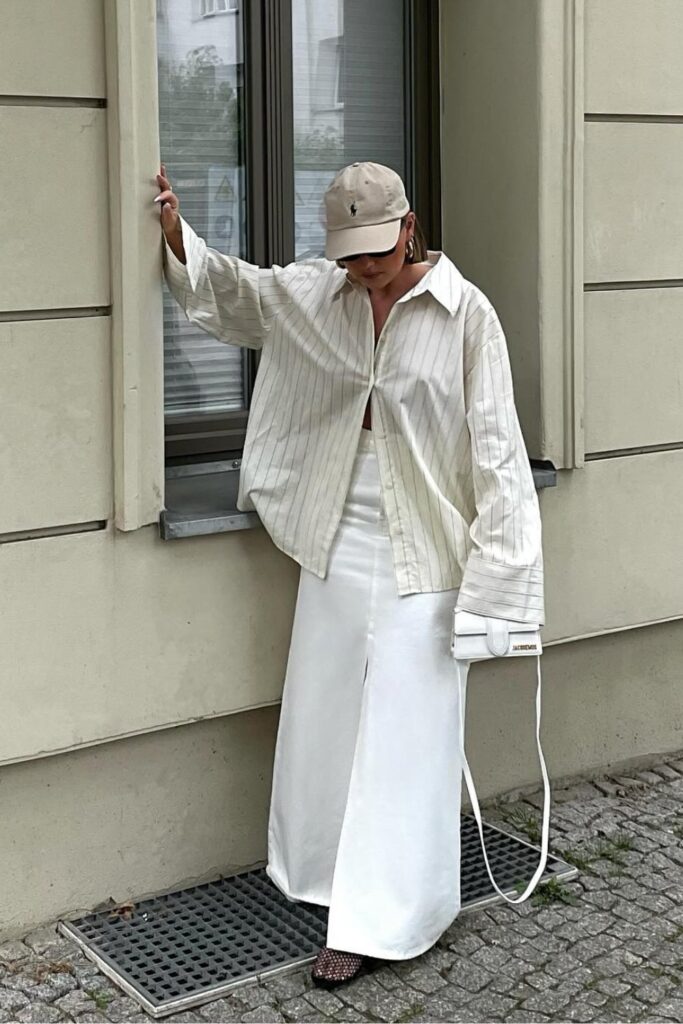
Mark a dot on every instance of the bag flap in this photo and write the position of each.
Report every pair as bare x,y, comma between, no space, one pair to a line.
467,624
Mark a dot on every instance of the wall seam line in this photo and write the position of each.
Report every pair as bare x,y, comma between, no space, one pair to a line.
611,286
41,533
634,118
647,449
51,101
20,315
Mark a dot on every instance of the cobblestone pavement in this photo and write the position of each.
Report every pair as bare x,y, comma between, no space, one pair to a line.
607,946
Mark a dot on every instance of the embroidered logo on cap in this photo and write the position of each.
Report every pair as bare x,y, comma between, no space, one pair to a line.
354,210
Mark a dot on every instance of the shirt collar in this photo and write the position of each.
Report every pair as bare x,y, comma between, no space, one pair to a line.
443,280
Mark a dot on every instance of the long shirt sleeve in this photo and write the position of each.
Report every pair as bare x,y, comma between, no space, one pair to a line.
504,572
229,298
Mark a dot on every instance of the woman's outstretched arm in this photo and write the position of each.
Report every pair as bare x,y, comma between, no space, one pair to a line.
229,298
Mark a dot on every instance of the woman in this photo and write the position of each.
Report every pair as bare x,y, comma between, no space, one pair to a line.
384,454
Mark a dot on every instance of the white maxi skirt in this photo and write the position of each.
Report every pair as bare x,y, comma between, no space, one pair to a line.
365,803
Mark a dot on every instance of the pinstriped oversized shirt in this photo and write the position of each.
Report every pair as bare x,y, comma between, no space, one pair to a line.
461,506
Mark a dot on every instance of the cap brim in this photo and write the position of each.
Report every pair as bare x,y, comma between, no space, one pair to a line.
367,238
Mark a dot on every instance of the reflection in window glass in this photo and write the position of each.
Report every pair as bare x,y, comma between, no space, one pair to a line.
349,80
200,67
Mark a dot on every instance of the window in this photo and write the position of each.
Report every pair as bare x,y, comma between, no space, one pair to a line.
211,7
340,78
257,114
362,45
329,75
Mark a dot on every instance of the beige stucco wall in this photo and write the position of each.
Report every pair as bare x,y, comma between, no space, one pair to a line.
116,643
634,369
65,47
109,634
490,157
633,57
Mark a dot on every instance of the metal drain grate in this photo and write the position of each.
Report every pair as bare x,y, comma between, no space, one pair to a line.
189,947
513,861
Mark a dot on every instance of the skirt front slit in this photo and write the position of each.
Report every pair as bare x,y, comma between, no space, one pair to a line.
365,802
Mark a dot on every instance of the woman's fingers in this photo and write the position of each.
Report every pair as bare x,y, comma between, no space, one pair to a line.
168,196
168,200
168,217
162,179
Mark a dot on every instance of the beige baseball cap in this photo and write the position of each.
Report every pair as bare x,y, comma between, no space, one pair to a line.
364,205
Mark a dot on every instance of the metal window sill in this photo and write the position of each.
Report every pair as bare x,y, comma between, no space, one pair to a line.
545,474
202,499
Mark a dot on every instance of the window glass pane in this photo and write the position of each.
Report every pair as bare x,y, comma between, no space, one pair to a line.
200,59
349,84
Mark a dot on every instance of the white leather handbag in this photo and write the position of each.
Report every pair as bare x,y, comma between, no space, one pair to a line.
476,638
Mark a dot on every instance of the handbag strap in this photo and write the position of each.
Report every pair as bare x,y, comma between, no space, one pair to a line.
462,676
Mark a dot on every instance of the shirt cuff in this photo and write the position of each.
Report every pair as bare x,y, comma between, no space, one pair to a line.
502,591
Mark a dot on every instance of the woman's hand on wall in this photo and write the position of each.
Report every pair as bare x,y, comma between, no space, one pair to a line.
170,215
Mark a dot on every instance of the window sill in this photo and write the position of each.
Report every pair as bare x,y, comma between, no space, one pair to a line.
545,474
202,499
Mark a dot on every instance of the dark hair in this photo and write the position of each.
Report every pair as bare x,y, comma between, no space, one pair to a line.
419,245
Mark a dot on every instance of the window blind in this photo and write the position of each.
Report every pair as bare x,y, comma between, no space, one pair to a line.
200,66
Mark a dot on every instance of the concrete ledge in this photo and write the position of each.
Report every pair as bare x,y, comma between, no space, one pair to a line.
545,474
202,499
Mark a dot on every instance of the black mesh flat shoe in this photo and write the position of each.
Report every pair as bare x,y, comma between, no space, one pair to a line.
334,967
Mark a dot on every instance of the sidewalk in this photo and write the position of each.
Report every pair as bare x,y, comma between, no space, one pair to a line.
605,947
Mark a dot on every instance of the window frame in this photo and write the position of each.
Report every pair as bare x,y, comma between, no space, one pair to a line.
268,128
231,7
136,296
